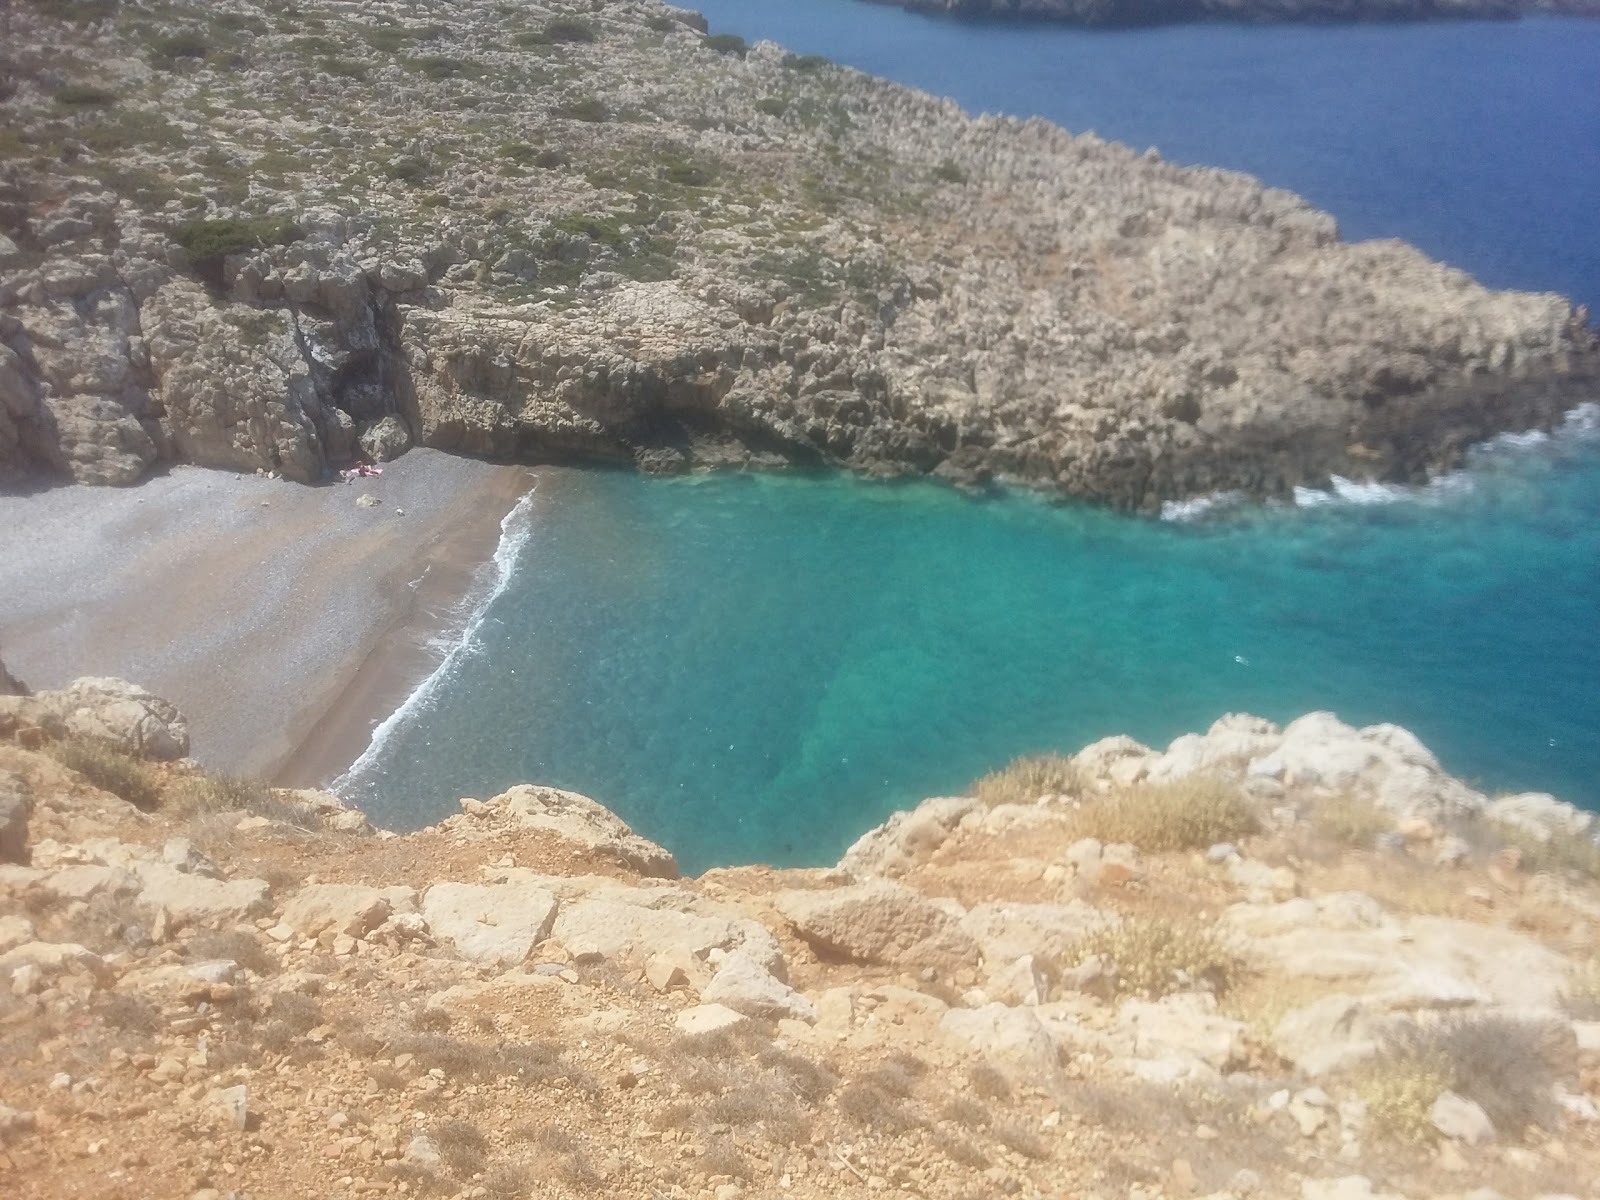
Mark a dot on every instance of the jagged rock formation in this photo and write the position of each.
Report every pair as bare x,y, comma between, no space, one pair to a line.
1383,984
1127,13
265,240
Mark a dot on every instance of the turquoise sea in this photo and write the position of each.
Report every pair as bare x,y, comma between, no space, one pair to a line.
759,668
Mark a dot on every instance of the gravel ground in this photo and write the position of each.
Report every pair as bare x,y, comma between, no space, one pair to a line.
249,602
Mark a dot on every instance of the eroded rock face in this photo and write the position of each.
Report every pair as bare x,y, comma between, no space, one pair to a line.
586,823
879,922
1052,310
110,710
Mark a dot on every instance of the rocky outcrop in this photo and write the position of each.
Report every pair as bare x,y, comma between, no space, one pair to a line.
1111,14
109,710
896,289
9,684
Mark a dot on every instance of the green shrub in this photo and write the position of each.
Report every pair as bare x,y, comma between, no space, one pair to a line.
566,30
442,66
109,769
1399,1094
390,39
1186,814
518,152
407,169
550,159
806,64
663,24
214,240
949,171
1024,780
727,43
772,106
685,173
1153,957
82,95
189,43
587,108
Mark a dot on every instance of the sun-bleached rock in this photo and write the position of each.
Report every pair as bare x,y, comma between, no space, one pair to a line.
1461,1120
1013,1040
350,909
907,837
50,959
705,1019
878,922
744,985
196,900
1541,815
110,710
1350,1187
1185,1027
1005,932
585,822
490,922
616,928
1330,1034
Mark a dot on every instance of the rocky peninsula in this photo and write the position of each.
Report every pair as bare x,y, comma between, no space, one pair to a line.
1298,962
1122,14
269,237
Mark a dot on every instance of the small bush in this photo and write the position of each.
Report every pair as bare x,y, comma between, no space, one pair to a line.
806,64
518,152
868,1105
685,173
950,171
237,946
508,1179
1153,957
109,769
772,106
1562,853
1186,814
564,30
391,39
82,95
585,109
443,66
988,1083
462,1147
408,170
190,43
1024,780
205,240
549,160
662,24
727,43
1350,820
1506,1066
1018,1137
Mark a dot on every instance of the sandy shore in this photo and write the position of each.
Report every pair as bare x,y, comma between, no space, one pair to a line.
285,621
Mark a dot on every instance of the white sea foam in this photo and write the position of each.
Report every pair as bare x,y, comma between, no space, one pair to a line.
516,528
1200,507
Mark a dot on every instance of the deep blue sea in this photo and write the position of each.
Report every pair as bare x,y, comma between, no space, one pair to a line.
759,668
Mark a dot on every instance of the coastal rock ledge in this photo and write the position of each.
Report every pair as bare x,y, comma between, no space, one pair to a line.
1264,961
255,240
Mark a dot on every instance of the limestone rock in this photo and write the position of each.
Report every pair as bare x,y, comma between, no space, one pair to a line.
1184,1027
1013,1040
385,439
589,824
1330,1034
1461,1120
879,922
195,900
744,985
906,837
1542,815
349,909
110,710
490,922
50,959
1351,1187
618,929
705,1019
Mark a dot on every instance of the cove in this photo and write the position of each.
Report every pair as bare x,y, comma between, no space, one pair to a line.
1478,142
759,668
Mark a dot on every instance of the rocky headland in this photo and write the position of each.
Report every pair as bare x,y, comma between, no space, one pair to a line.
1114,14
1297,962
270,237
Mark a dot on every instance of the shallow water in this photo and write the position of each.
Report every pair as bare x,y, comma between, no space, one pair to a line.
758,669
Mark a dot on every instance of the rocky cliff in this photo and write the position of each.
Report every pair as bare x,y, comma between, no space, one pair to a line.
257,237
1131,13
1297,962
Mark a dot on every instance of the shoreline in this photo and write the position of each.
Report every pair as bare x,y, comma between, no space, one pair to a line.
405,652
275,615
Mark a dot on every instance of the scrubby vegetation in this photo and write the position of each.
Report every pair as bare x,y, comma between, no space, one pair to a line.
215,239
1563,852
1025,780
1350,820
109,769
1151,957
1186,814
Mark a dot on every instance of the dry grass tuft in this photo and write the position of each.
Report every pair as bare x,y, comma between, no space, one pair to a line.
236,946
1152,957
1508,1067
462,1147
1186,814
988,1083
1024,780
1582,997
1563,853
1350,820
1019,1138
109,769
204,793
865,1104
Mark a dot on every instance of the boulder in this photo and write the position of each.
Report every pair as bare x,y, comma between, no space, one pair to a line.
705,1019
588,823
1541,815
1330,1034
1186,1028
50,959
879,922
1013,1040
1461,1120
907,837
617,929
350,909
196,900
385,439
744,985
490,922
109,710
